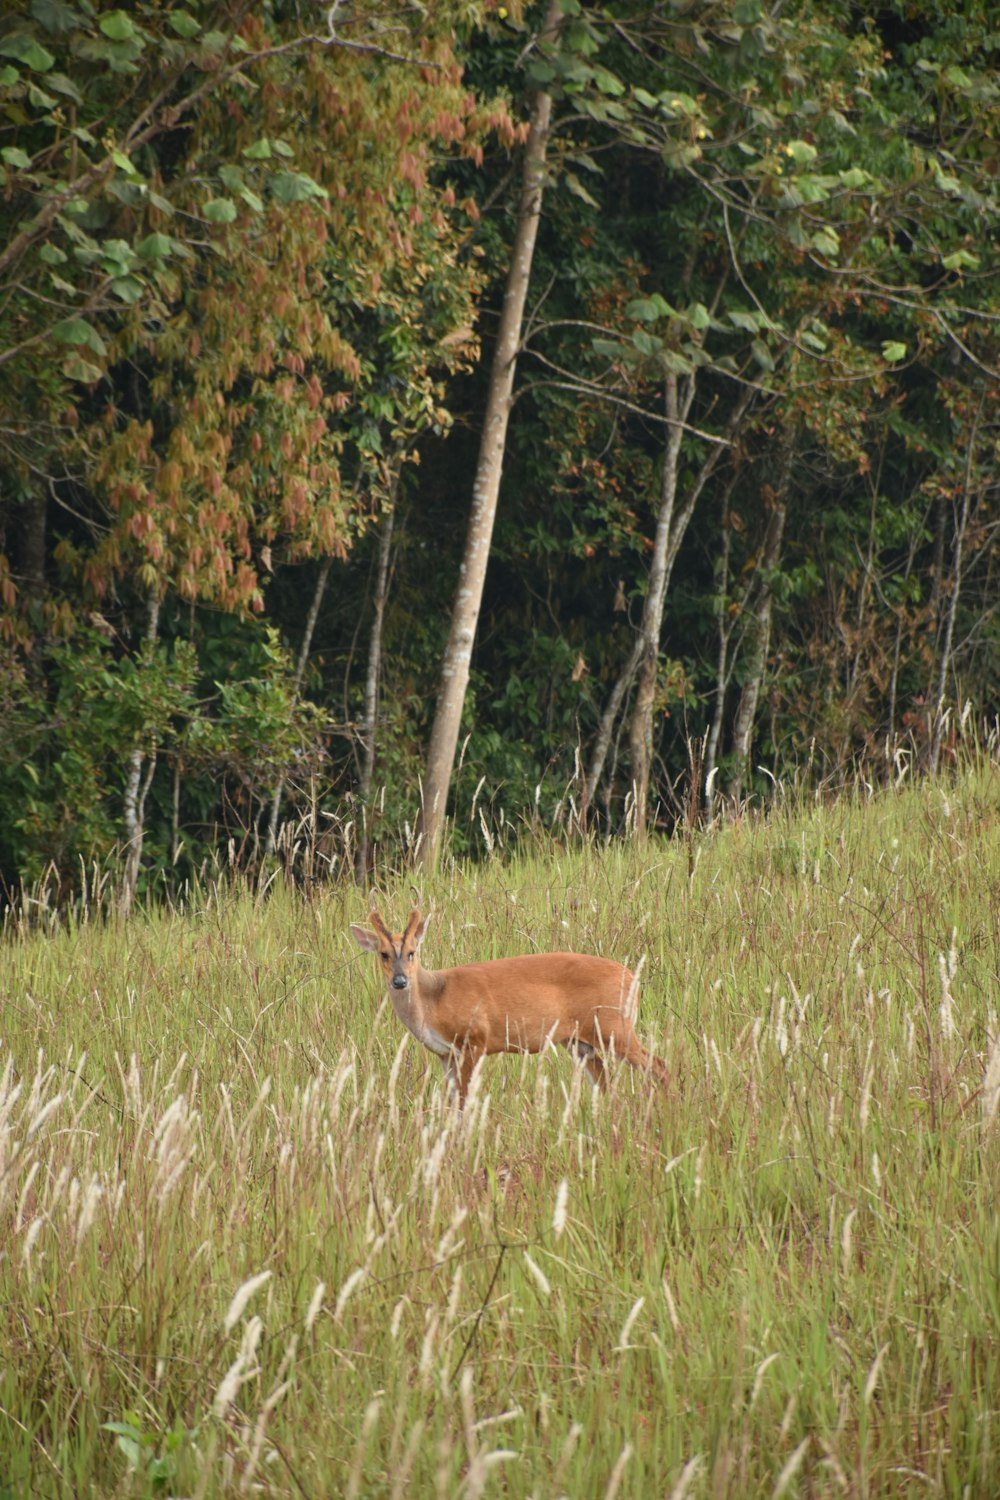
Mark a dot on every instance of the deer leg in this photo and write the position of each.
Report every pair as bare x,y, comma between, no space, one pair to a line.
592,1058
459,1067
627,1046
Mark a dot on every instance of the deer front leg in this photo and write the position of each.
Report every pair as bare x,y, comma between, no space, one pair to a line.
459,1067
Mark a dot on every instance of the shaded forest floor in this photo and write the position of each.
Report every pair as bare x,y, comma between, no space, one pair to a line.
249,1246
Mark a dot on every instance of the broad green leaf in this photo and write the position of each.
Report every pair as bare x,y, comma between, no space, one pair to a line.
762,354
219,210
155,247
128,288
855,177
117,25
578,190
892,351
827,242
801,151
79,331
295,187
38,98
747,12
259,151
14,157
124,164
282,148
28,51
749,322
183,23
54,15
646,343
960,259
52,255
77,368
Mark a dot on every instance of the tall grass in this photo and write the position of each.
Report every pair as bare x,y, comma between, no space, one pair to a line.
247,1246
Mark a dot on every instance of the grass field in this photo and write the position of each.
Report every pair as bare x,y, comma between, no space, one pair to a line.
247,1246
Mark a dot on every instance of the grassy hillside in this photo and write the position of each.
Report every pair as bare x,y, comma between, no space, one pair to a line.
246,1246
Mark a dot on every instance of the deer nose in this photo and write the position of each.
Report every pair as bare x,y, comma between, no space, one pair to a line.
399,981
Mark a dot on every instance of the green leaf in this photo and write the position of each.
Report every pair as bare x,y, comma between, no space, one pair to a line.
124,164
801,151
827,242
893,352
28,51
79,331
960,259
295,187
38,98
259,151
183,23
219,210
747,12
648,309
118,26
155,247
128,288
762,354
75,368
52,255
14,157
54,15
578,190
646,343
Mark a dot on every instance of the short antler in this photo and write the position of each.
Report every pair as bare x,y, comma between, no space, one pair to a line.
379,925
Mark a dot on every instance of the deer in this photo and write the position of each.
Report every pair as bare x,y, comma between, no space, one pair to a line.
520,1004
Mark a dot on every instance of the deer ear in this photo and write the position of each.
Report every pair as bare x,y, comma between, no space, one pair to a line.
420,930
367,939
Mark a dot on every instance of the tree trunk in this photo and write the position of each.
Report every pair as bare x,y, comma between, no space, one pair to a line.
958,550
641,726
671,527
723,668
300,671
137,786
485,490
759,632
371,686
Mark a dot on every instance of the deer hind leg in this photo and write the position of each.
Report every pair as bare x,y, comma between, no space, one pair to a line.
627,1045
592,1058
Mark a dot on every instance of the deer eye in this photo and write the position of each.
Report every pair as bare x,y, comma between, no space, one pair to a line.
410,955
385,955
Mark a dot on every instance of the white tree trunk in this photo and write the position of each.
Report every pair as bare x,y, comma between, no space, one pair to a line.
486,488
271,840
137,786
369,727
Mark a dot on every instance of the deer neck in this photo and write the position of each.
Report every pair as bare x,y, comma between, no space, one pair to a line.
415,1008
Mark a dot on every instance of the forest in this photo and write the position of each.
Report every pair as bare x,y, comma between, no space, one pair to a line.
682,315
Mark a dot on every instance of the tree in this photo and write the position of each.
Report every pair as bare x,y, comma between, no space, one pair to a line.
486,486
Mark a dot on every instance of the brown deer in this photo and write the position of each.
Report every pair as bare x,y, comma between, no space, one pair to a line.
509,1004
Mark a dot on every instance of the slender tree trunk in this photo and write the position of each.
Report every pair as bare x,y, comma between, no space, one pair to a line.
369,726
671,528
722,665
485,490
958,549
641,726
300,672
136,785
759,633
